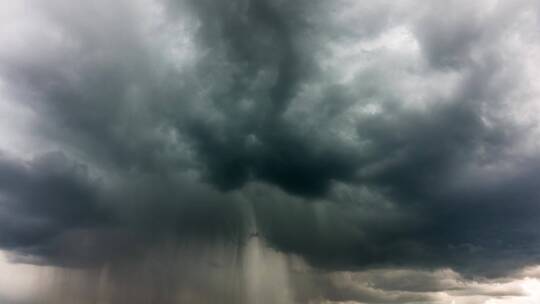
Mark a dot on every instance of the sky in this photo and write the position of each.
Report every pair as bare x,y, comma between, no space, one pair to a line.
269,151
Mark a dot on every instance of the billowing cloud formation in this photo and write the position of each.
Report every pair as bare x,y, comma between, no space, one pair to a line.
351,135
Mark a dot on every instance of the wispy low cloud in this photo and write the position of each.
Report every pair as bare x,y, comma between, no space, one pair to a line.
188,151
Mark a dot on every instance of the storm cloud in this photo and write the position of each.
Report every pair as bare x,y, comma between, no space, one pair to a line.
374,151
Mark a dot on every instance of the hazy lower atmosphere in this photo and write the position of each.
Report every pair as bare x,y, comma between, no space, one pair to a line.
269,152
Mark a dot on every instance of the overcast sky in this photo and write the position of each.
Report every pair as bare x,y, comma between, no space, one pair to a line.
269,151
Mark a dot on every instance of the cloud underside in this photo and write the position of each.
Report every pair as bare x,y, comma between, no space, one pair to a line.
355,136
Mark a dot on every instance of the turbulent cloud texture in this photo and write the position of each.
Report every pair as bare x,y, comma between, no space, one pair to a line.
374,151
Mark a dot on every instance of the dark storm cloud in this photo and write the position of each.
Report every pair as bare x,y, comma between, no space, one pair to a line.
44,199
349,174
416,159
266,43
53,212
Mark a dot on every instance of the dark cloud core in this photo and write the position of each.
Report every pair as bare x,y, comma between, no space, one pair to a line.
393,141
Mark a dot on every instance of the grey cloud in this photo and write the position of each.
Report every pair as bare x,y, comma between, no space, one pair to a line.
44,199
398,285
347,174
450,32
54,212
